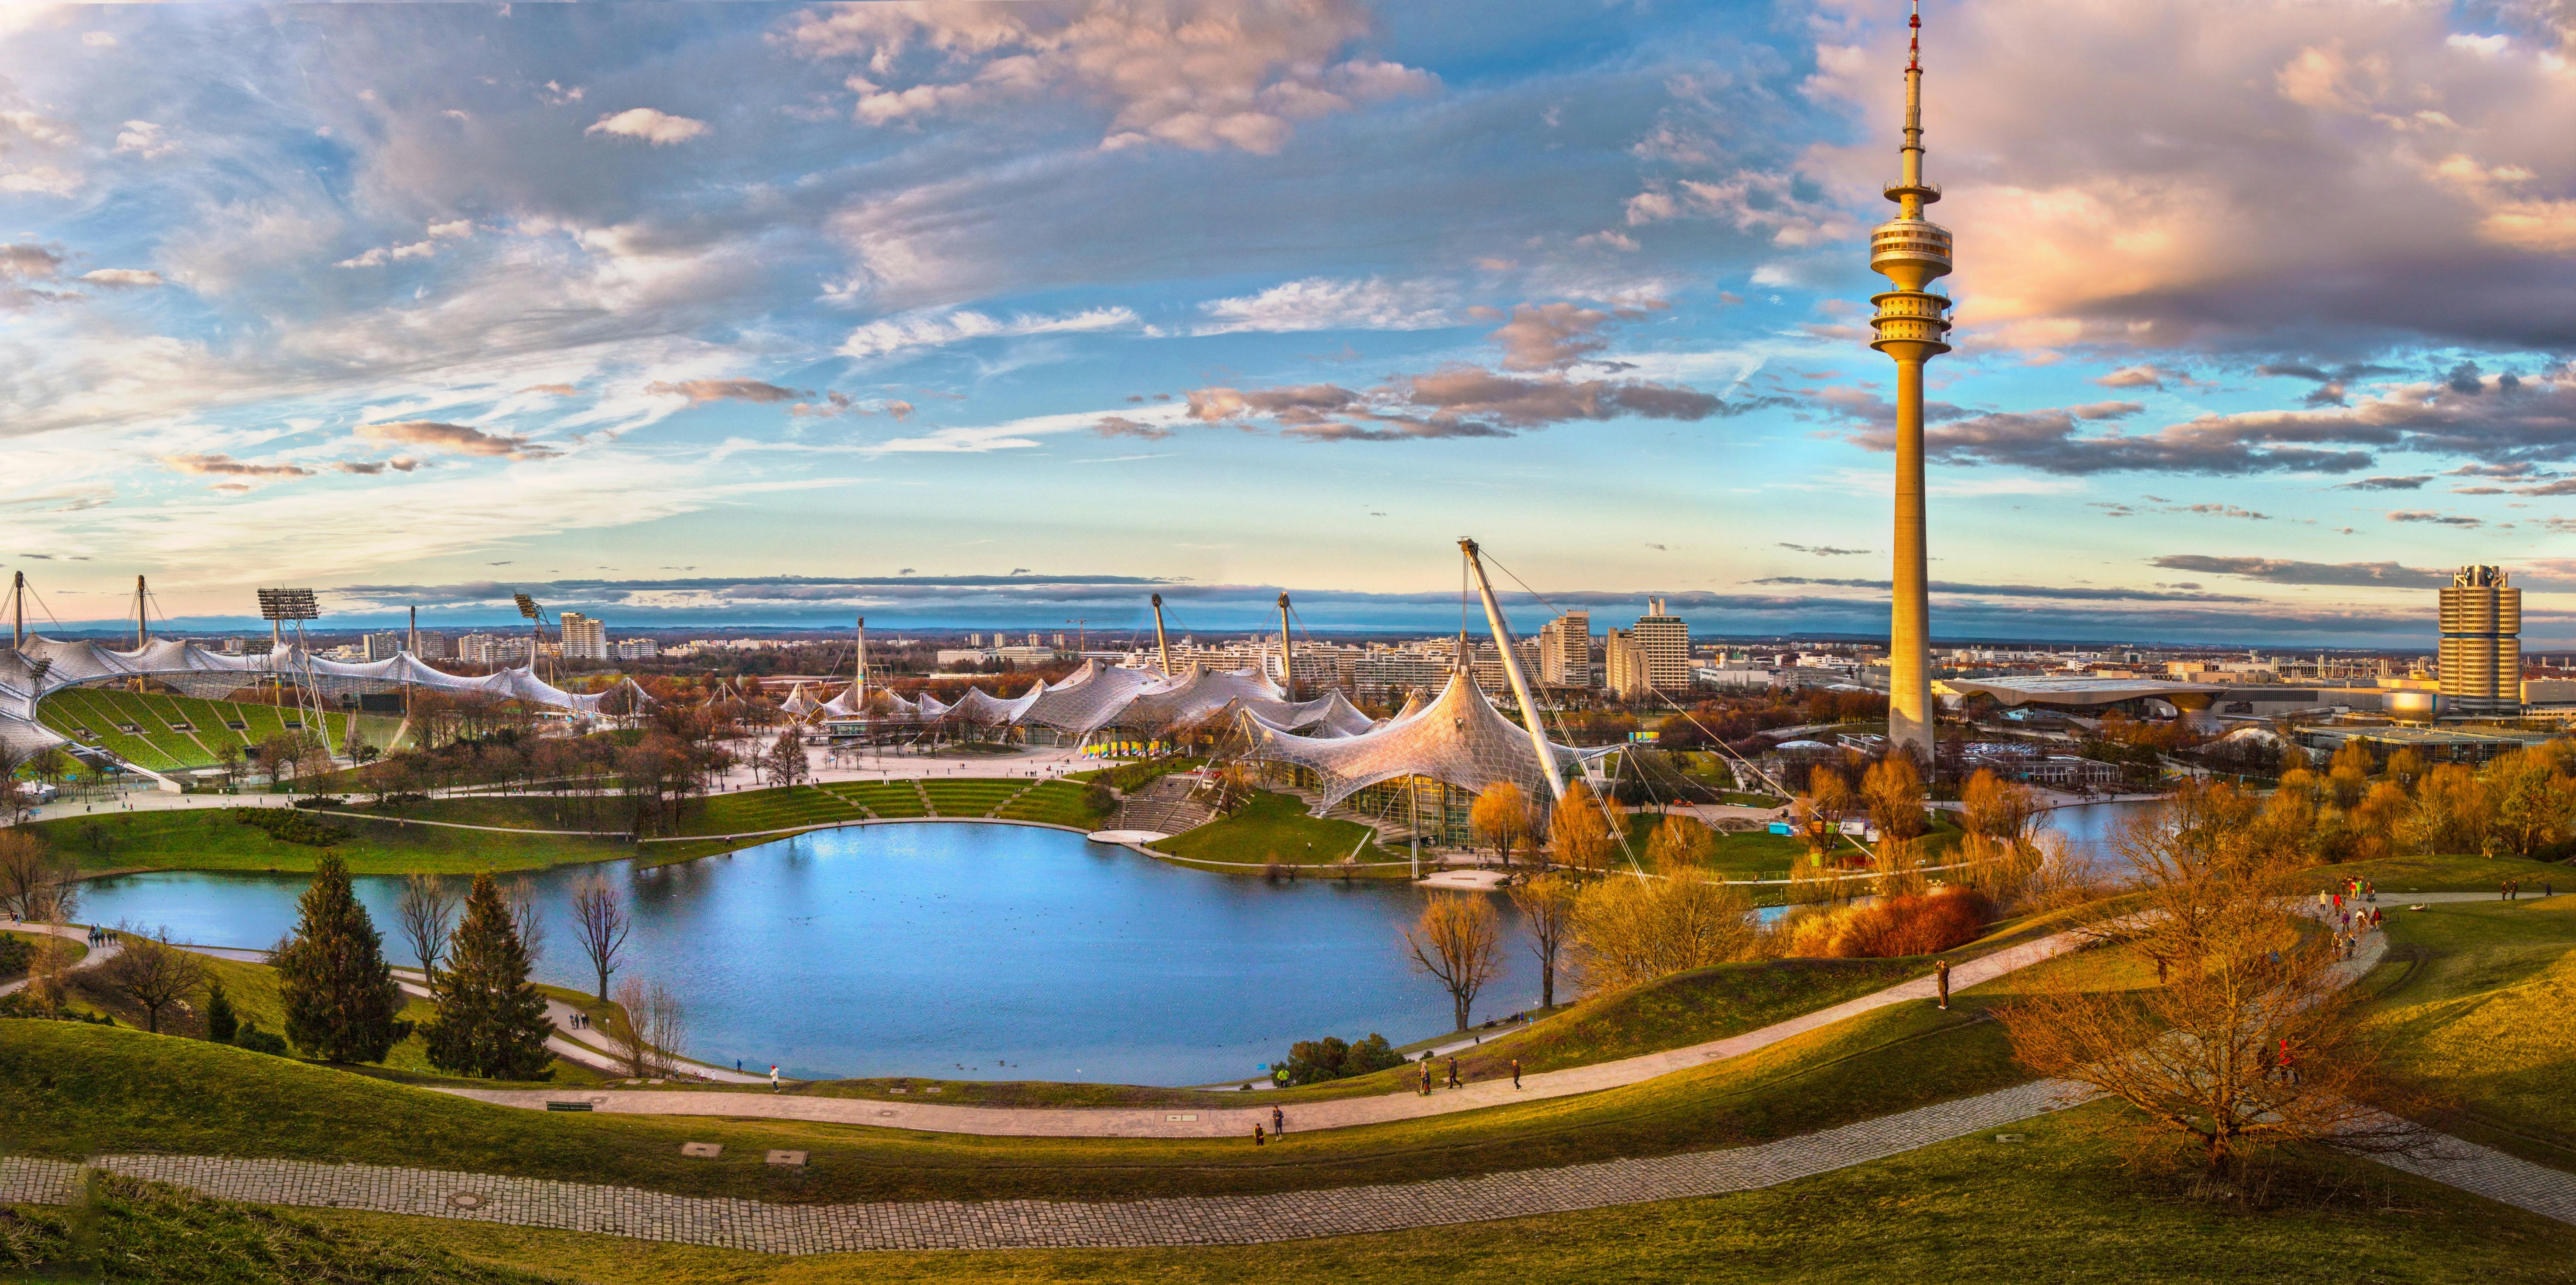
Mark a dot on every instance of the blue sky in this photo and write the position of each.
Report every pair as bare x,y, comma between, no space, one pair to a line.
1012,313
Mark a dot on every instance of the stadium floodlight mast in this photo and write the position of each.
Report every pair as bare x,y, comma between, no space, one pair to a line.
279,607
536,617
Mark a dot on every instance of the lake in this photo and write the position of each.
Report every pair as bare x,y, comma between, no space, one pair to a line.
953,951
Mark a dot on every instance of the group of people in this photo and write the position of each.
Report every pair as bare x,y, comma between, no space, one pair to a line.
2511,890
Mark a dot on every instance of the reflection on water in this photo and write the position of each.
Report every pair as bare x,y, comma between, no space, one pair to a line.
966,951
2089,825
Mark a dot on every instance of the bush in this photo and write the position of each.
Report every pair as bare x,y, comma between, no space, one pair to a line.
15,954
1893,927
1331,1058
255,1040
291,827
321,801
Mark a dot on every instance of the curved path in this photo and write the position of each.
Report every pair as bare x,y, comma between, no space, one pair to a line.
98,954
1227,1122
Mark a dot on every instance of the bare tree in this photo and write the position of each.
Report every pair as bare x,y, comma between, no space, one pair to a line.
529,920
151,973
2252,1038
1547,906
49,973
785,761
600,924
648,1041
426,914
35,885
1456,941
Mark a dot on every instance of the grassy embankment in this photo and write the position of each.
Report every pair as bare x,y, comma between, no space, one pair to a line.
1275,828
174,733
210,839
2057,1206
69,1089
2479,1002
2397,875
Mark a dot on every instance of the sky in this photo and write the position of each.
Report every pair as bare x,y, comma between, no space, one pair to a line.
1013,313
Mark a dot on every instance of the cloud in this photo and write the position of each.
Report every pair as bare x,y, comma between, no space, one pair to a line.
659,128
1224,74
2250,180
1822,550
701,391
1550,336
1121,426
227,466
2412,483
2062,593
459,438
2433,518
144,139
372,468
1786,209
2375,575
931,330
123,278
98,40
2135,377
1324,303
2050,441
552,390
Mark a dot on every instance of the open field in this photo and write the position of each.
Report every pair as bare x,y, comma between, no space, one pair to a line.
210,839
2479,1000
1275,827
2447,874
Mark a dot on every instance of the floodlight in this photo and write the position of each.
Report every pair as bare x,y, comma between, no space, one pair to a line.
527,606
288,604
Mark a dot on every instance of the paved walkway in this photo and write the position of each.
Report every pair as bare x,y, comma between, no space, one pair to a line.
98,954
1227,1122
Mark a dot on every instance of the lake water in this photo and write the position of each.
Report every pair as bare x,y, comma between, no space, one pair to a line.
2089,825
957,951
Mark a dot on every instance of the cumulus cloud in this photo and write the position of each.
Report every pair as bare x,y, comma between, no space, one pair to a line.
1324,303
1781,208
427,247
701,391
2246,179
935,329
2412,483
659,128
460,438
372,468
1224,74
145,139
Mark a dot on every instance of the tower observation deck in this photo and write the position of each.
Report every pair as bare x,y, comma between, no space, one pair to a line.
1912,326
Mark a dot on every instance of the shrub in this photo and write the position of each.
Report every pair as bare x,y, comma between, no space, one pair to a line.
255,1040
1892,927
15,954
1331,1058
291,827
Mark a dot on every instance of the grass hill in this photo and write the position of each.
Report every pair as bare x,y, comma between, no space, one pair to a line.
165,732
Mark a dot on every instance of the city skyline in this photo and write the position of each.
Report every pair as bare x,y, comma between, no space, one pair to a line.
777,314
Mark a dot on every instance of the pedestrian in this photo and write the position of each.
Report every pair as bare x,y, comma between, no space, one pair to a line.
1453,1072
773,1077
2502,889
737,1066
1257,1139
1516,1073
1426,1075
1941,969
1279,1122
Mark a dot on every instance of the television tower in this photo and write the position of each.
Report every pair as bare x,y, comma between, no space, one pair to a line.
1910,250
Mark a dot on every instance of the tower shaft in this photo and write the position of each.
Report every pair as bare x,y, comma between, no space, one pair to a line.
1912,327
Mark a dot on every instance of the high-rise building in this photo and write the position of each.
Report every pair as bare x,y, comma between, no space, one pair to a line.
1912,326
637,649
2482,643
384,646
583,637
1665,640
1565,651
435,646
1623,665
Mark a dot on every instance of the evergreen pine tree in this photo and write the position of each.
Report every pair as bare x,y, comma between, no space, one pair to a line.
339,994
222,1023
490,1021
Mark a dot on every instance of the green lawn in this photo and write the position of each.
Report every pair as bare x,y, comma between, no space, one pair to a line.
969,797
210,839
162,748
2059,1206
2480,1001
778,808
892,799
2447,874
1056,803
1274,827
139,1233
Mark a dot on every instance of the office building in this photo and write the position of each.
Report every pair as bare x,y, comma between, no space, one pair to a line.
384,646
2481,620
